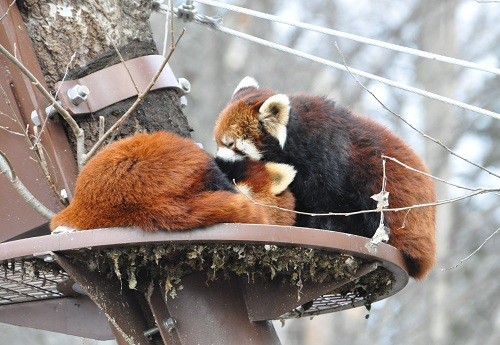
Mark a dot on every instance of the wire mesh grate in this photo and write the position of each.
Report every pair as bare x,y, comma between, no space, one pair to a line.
26,281
326,304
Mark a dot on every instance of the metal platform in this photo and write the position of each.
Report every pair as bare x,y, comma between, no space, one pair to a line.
40,274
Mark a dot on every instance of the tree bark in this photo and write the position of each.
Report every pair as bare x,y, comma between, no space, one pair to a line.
61,28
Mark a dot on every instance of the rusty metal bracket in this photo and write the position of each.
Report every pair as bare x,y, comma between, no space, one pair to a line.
267,302
117,304
117,83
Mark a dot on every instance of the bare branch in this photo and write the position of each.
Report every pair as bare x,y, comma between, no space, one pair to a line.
7,129
474,252
102,121
6,168
398,209
46,120
429,175
8,9
123,62
409,124
132,108
77,131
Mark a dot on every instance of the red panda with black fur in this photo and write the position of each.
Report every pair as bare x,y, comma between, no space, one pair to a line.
163,181
337,156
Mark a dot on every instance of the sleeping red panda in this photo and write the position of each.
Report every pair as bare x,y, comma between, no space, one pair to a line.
162,181
337,156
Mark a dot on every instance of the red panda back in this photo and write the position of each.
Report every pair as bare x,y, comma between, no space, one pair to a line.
152,181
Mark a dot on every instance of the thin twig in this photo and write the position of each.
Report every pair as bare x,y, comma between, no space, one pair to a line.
77,131
474,252
46,120
123,62
7,129
102,121
398,209
172,34
7,169
409,124
132,108
8,9
429,175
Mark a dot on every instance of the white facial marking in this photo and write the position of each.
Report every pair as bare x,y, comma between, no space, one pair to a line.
228,155
246,82
248,148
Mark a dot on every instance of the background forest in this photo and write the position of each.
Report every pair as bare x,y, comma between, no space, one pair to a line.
455,306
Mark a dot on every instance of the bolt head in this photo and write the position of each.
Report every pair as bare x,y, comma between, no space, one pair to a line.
185,85
48,258
50,111
170,323
78,93
35,118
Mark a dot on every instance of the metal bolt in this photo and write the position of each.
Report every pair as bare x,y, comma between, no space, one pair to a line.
50,111
48,258
187,11
78,289
150,332
64,194
78,93
185,85
170,324
35,118
183,101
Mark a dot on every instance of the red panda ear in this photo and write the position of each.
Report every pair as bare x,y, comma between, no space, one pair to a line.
281,176
245,83
274,114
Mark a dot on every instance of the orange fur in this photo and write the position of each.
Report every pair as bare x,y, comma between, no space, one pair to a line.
413,231
153,181
259,179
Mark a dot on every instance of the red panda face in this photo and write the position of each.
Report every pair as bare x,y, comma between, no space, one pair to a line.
251,115
237,133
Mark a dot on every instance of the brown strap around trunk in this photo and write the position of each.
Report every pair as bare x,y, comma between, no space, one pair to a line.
114,84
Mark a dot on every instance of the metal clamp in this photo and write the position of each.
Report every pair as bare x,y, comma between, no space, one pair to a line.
117,83
187,11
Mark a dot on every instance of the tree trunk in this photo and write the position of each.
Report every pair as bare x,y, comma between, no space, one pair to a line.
61,28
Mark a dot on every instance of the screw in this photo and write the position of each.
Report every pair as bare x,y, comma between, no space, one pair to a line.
170,324
35,118
78,93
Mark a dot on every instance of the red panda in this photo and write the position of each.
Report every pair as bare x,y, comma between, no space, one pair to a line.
337,156
160,181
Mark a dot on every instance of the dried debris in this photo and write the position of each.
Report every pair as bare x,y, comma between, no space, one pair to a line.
137,266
